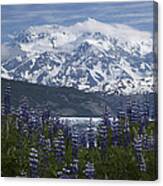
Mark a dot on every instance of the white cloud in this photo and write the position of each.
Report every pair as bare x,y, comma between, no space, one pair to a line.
5,52
9,52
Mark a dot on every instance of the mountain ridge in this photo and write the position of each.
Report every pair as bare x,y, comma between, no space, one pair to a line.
68,101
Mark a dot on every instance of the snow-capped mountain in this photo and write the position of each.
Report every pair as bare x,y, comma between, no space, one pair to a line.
90,56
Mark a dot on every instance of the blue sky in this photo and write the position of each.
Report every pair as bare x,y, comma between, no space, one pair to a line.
18,17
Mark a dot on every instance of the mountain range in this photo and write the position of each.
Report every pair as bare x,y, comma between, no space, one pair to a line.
91,56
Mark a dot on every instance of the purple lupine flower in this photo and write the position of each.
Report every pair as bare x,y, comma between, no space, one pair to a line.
45,148
41,140
58,123
41,146
7,100
52,126
145,113
33,123
66,173
83,139
23,110
66,131
89,170
74,168
121,114
45,115
48,145
137,142
46,151
142,125
91,136
22,117
50,129
59,147
115,132
142,164
126,131
147,109
103,132
135,114
59,174
138,150
75,142
33,163
106,117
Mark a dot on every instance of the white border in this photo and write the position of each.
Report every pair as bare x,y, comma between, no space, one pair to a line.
50,182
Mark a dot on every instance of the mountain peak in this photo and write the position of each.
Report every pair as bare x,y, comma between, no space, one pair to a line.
123,32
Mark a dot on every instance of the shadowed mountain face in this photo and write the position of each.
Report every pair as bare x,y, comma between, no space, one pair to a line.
69,101
89,56
62,100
